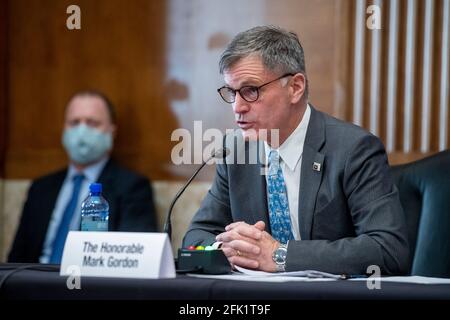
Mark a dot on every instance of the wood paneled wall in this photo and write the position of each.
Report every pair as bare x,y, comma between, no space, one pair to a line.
119,50
3,83
400,83
157,60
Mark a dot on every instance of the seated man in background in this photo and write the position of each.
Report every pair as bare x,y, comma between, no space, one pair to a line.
87,138
327,201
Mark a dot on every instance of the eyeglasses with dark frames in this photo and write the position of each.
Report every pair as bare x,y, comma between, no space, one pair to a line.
248,93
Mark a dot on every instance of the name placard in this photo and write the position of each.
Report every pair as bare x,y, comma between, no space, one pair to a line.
118,255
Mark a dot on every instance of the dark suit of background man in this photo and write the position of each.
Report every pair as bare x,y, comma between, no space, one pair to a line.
327,201
87,137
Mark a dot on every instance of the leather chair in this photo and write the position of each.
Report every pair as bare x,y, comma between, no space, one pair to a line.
424,187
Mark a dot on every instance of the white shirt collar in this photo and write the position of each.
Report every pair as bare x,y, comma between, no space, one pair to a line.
292,148
91,173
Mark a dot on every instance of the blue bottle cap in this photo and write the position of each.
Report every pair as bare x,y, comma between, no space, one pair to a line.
95,187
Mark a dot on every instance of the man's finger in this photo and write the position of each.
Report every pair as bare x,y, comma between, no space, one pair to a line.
248,231
234,225
260,225
244,262
244,247
229,252
228,236
220,236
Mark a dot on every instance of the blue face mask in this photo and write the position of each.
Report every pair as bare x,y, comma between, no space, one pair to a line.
85,144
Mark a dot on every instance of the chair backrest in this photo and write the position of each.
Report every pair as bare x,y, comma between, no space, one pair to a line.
424,188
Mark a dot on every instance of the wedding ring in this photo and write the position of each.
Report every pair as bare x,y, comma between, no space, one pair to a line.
238,253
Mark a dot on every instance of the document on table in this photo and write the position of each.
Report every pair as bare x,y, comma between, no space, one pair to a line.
305,273
243,274
410,279
313,276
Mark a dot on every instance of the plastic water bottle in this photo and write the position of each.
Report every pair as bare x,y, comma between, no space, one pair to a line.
95,210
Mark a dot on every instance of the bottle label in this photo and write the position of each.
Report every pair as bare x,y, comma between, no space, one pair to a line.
89,223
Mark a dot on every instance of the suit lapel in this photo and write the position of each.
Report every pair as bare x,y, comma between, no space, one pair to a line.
48,203
256,199
311,172
106,178
106,174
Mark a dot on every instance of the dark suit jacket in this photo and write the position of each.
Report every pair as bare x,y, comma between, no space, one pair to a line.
350,216
129,195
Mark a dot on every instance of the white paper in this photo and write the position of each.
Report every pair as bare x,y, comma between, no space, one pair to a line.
243,274
261,276
304,273
245,277
410,279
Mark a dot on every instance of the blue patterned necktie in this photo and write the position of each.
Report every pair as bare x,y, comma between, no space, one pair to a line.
63,229
280,219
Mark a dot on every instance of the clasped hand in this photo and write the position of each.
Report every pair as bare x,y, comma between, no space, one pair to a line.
248,246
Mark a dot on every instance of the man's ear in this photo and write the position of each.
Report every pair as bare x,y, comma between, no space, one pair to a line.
298,87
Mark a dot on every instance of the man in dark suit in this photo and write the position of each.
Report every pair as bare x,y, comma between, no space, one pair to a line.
325,200
87,137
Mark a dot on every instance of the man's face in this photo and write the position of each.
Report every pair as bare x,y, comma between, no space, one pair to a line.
88,110
272,108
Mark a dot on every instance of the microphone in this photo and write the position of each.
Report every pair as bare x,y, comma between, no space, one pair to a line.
200,261
220,153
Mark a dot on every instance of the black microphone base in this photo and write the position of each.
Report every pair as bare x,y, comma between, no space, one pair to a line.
203,261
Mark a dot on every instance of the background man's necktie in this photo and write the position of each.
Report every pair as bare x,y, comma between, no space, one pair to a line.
63,229
280,219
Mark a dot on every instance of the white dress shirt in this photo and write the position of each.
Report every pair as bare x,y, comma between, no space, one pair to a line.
290,152
91,175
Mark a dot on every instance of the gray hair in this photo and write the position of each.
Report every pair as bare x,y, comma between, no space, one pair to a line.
280,50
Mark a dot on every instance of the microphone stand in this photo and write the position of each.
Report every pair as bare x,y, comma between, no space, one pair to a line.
168,222
200,261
